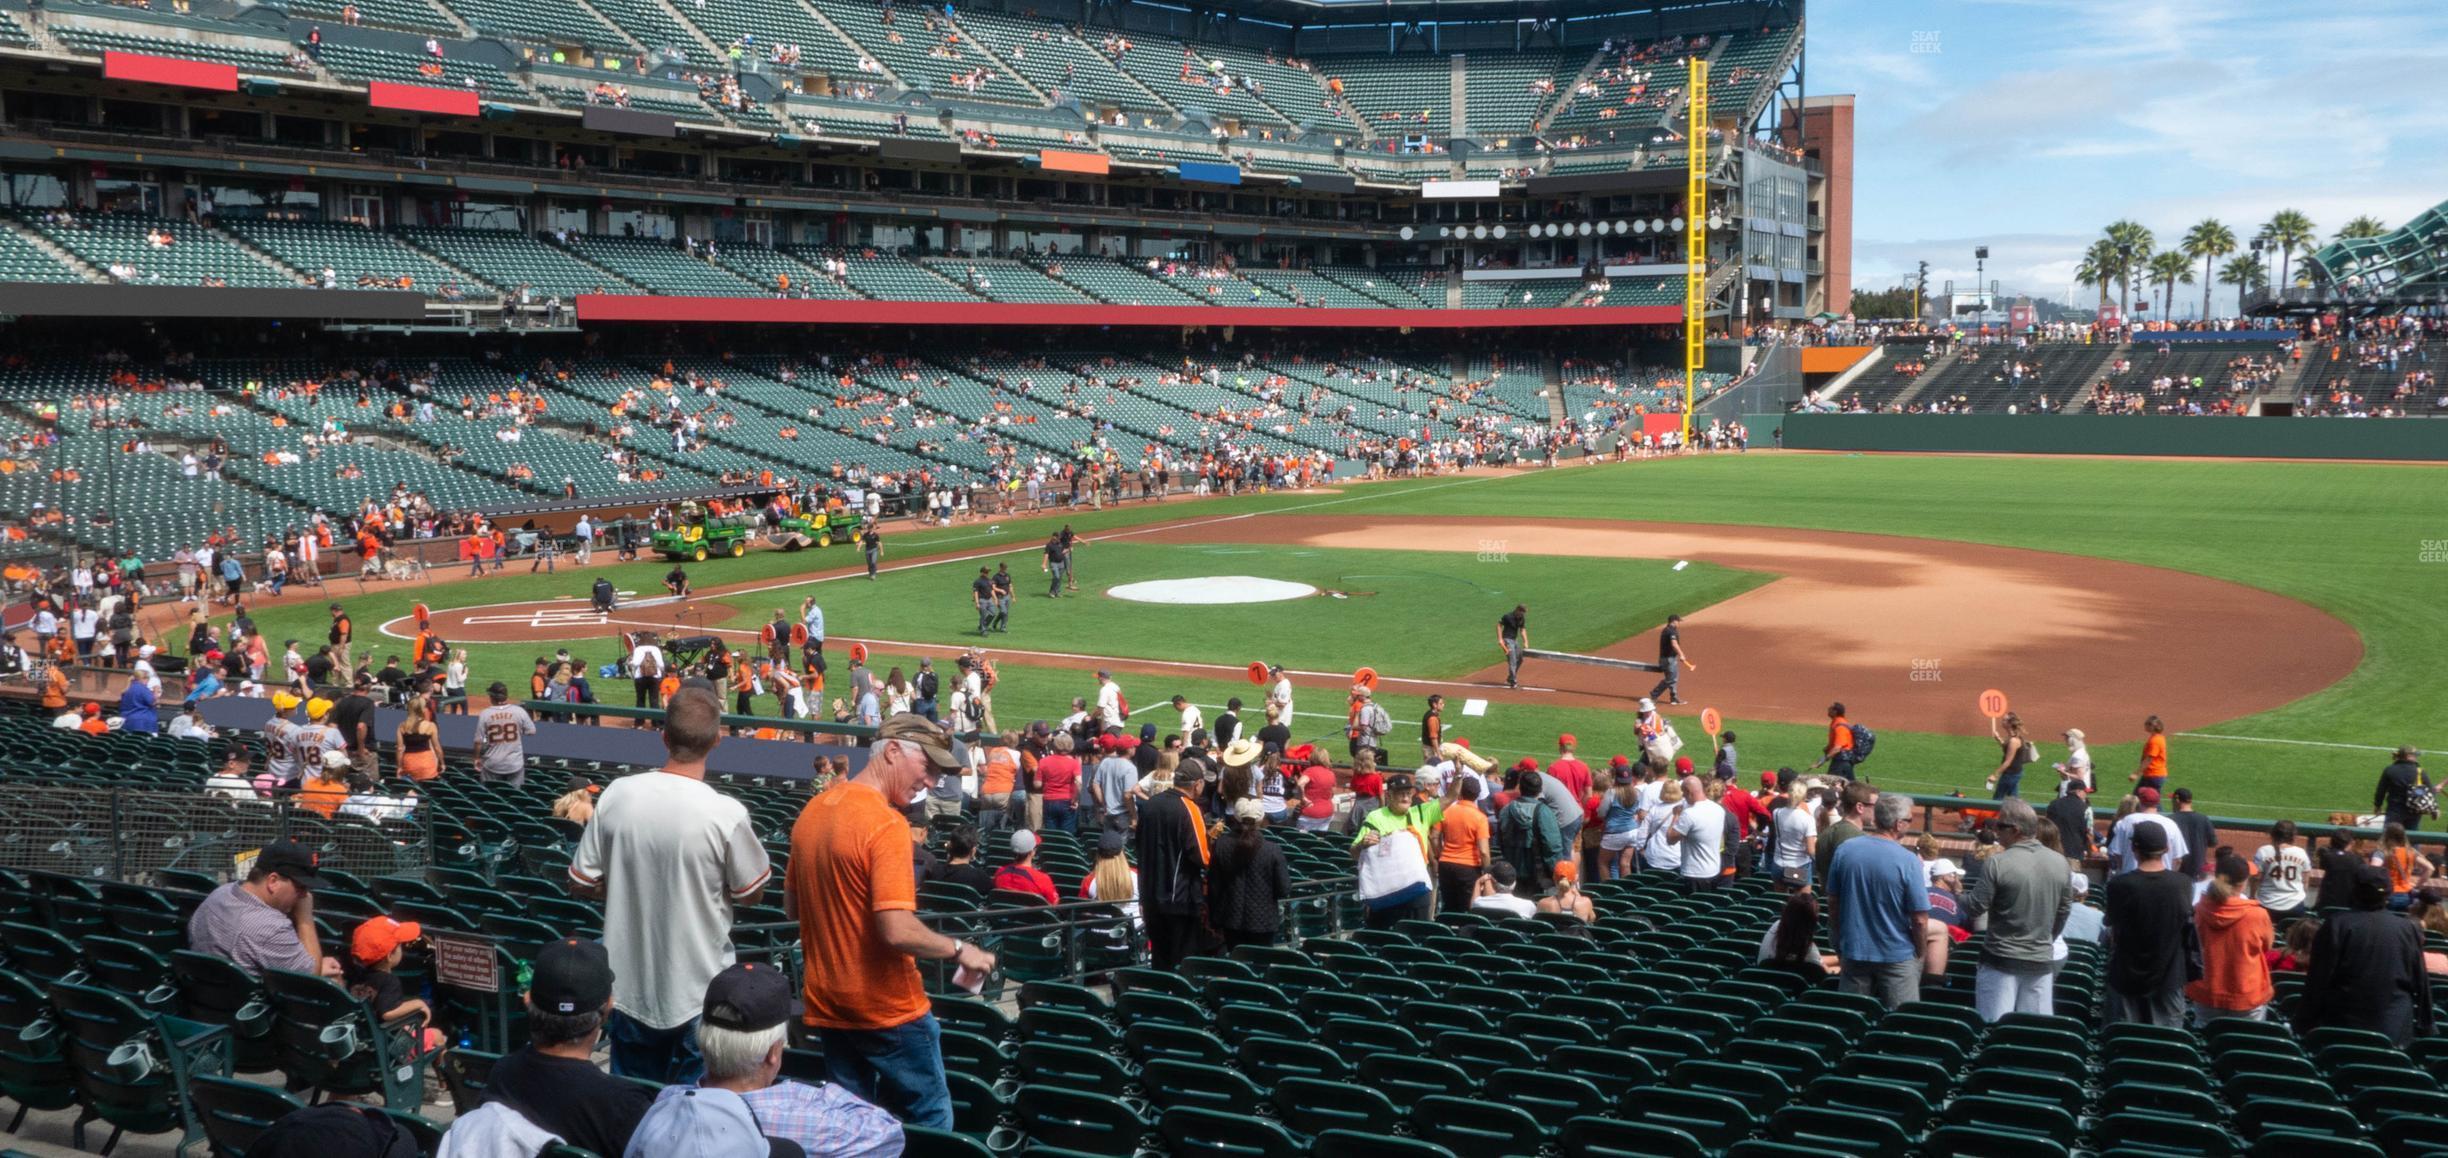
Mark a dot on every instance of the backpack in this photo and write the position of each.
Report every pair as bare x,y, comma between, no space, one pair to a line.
1863,740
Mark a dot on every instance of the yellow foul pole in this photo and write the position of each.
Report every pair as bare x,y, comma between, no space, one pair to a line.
1695,235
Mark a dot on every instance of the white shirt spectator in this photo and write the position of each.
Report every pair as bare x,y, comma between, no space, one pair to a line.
2120,839
2282,873
1109,704
1703,827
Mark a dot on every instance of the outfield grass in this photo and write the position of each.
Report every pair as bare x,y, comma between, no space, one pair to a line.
2348,538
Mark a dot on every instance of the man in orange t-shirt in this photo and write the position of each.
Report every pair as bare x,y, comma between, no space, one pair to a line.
1838,754
852,886
1462,847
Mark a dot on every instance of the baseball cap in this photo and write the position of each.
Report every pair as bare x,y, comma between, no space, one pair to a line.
570,976
2184,796
1942,867
750,997
284,703
289,859
1566,870
2149,838
1526,764
335,759
1248,808
317,708
2148,796
1023,842
1110,842
928,735
1647,704
91,708
1619,761
378,936
705,1122
1568,739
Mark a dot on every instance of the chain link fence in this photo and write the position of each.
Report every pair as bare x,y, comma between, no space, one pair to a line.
126,835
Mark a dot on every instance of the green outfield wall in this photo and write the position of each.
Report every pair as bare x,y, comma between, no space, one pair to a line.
2411,439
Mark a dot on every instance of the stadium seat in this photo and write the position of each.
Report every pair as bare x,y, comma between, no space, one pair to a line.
234,1113
131,1067
333,1043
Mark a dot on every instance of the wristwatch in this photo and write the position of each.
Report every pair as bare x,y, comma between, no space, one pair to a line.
957,946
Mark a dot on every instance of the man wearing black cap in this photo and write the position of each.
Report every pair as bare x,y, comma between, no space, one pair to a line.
343,631
267,920
2367,969
1173,860
553,1084
747,1013
353,715
2150,934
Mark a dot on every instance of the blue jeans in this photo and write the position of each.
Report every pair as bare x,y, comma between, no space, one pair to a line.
1058,816
900,1069
2010,784
640,1050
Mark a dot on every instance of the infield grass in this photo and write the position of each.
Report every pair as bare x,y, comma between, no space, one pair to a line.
2367,543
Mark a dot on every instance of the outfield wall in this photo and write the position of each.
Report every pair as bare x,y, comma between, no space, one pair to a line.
2157,434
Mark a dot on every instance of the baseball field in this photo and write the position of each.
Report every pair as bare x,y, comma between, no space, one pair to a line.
2285,619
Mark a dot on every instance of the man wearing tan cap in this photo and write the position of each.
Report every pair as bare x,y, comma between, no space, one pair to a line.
853,889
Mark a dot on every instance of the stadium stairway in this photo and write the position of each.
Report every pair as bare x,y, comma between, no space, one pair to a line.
2287,388
1460,70
33,238
1853,373
1570,86
258,253
1907,394
1552,369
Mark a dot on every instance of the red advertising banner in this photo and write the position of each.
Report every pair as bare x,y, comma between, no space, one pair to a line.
417,98
170,70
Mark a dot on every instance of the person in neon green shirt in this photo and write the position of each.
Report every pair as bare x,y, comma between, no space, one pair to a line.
1391,854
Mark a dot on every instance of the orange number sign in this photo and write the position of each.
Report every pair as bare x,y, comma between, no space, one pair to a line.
1993,703
1710,721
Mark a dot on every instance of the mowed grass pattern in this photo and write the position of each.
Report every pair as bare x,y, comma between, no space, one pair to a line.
2348,538
1423,614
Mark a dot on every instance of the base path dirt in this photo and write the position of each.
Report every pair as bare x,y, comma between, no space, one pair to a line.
1906,632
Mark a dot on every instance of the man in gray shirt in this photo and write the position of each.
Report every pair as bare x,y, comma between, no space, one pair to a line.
1111,784
267,920
501,738
2026,891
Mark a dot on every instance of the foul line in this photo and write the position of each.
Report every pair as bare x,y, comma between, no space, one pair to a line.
387,627
2302,743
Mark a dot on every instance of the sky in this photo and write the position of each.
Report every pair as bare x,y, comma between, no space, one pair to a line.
2028,125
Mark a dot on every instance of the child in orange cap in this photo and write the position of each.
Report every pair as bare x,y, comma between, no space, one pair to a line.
374,951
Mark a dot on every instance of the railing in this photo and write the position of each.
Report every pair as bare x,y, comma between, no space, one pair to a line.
846,733
125,834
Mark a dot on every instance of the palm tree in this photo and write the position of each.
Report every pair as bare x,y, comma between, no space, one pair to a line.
2169,269
2209,240
2361,227
2289,230
2132,245
2245,274
2098,268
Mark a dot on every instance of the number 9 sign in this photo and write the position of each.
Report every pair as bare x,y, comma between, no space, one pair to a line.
1710,722
1993,703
